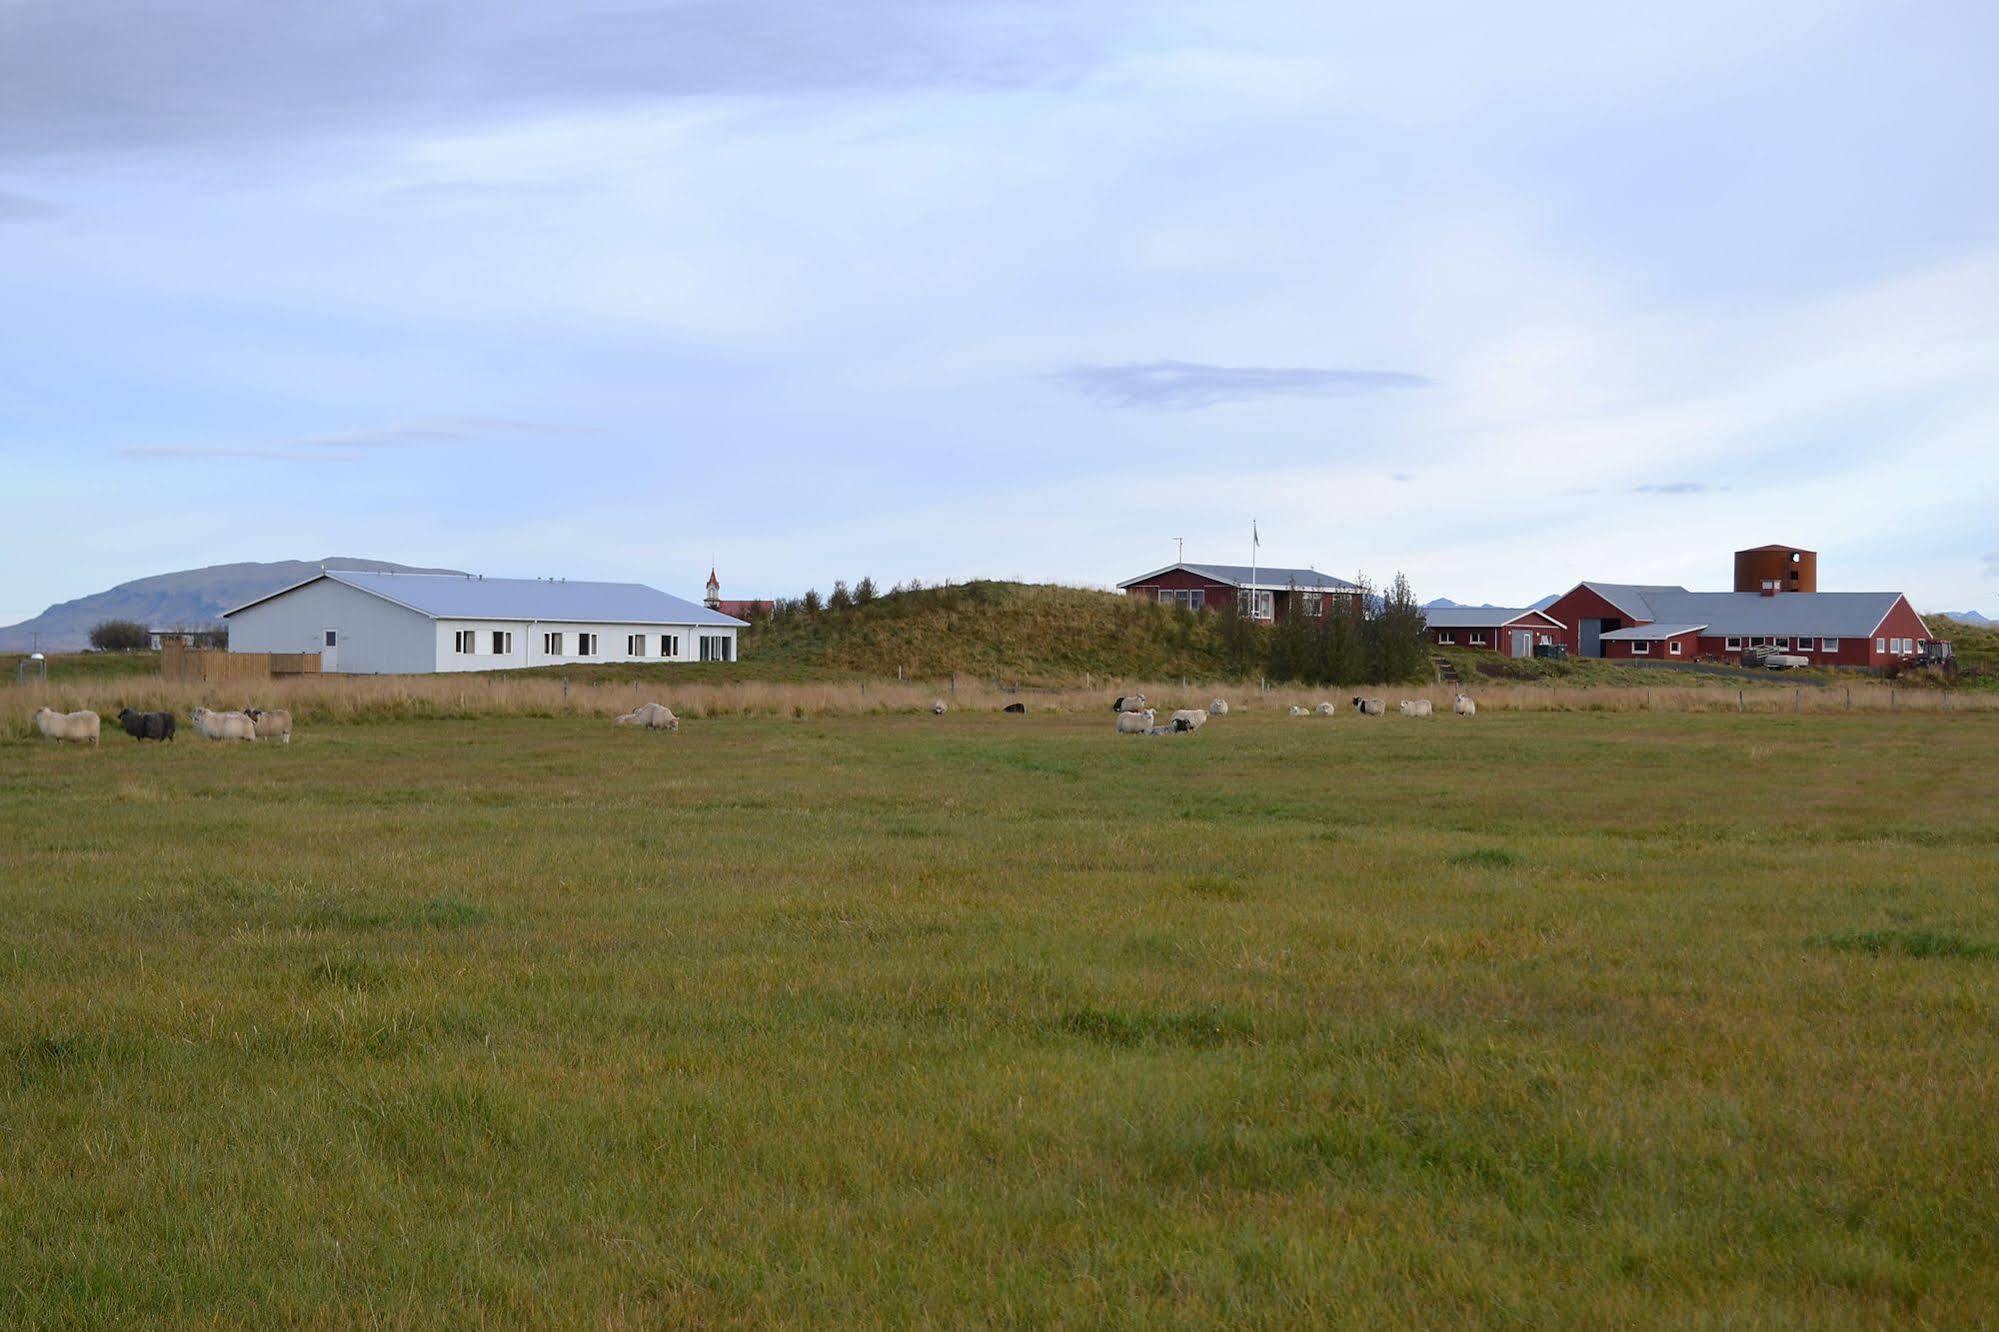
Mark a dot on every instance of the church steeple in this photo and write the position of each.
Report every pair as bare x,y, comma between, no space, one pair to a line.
714,597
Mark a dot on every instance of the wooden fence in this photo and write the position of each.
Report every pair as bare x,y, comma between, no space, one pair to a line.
180,662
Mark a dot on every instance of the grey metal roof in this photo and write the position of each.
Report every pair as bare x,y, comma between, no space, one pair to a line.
1650,633
1813,614
1634,599
458,597
1268,578
1480,617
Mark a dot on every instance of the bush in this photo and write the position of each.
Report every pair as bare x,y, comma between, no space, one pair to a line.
119,636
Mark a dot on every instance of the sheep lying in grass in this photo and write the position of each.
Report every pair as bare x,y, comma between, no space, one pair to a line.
1188,719
82,727
1219,708
1325,710
271,723
1297,711
223,725
937,708
1134,723
1369,707
1464,707
1414,707
651,716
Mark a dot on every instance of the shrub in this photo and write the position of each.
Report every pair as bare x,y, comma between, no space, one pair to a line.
119,636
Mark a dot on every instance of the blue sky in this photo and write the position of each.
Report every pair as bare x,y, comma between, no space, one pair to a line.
1502,296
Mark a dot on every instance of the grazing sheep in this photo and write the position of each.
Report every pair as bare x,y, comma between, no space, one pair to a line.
147,725
1129,703
223,725
1188,719
1417,707
652,717
1014,707
78,726
272,723
1326,709
937,708
1135,723
1370,707
1464,707
1297,711
1219,708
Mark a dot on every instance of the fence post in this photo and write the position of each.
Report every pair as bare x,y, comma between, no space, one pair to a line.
954,684
1797,701
1849,698
1738,700
1891,700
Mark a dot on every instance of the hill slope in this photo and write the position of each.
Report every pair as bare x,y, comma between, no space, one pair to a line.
189,597
1020,632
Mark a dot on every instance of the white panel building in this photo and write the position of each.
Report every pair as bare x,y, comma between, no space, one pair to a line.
415,624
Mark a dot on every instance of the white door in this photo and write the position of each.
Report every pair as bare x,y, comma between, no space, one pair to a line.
1523,642
329,652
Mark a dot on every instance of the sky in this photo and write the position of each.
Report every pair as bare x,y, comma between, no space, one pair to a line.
1499,296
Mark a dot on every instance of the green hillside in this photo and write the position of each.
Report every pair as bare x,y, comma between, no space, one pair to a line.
1020,632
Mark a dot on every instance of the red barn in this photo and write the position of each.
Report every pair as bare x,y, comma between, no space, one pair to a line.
1509,632
1647,621
1264,593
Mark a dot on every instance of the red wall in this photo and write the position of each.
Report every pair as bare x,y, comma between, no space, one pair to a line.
1498,637
1583,604
1216,593
1660,649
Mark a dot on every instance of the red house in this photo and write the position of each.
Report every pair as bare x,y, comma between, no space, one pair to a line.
1510,633
1645,621
1262,593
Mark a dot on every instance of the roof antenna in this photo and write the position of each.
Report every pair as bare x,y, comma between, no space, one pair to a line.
1181,543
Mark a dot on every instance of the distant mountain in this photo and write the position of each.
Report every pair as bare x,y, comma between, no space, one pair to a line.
1968,617
1445,603
191,597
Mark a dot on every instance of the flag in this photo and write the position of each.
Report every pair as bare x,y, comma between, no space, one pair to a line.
1254,539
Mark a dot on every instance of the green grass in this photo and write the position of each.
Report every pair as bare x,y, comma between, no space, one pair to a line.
1618,1019
85,667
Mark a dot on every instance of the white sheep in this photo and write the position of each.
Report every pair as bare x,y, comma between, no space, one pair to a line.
1297,711
651,716
223,725
1219,708
82,727
1129,703
1134,723
1369,707
1414,707
1325,710
1188,719
1464,707
271,723
937,708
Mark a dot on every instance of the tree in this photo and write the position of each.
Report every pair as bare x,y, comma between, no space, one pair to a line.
810,605
841,598
1403,652
119,636
864,591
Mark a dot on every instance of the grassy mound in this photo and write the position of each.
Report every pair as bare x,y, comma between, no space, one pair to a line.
1028,632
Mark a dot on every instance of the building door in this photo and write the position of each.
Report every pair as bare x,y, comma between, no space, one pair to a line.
1591,635
1523,642
329,651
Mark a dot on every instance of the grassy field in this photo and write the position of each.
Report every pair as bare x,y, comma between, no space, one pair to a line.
1582,1018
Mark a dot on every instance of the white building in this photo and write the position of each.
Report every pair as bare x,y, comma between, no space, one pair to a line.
413,624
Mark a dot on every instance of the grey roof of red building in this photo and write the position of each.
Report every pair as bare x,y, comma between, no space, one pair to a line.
1739,614
1481,617
1268,578
1651,633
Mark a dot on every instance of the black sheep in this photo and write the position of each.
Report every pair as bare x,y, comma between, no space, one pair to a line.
147,725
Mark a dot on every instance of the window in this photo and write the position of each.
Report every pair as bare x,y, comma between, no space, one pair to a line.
635,645
1639,649
718,647
1257,605
1732,644
1197,599
1880,645
332,639
669,645
465,640
1828,645
1674,647
586,645
1477,639
1445,636
1921,645
1312,603
1166,596
503,642
1804,645
551,643
1783,644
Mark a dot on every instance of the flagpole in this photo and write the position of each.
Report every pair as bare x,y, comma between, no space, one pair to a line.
1254,542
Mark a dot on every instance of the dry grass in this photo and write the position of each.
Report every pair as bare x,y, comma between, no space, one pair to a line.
328,699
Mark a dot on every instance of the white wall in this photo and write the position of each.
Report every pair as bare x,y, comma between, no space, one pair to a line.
376,637
528,643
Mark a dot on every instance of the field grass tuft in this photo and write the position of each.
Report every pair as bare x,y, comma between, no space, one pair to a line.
1908,943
